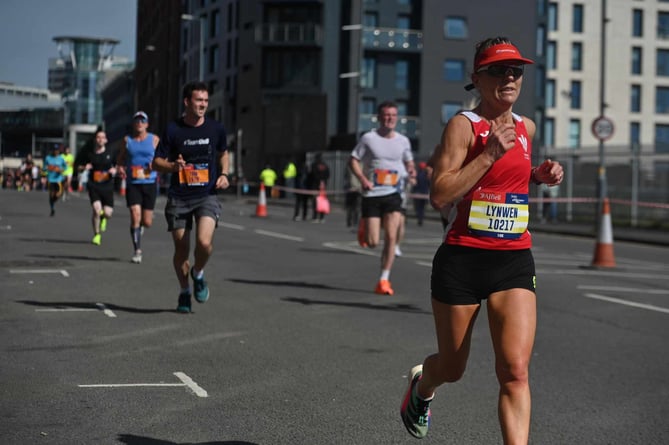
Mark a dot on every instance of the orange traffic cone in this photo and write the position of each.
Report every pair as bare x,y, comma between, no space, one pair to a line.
604,248
123,187
261,208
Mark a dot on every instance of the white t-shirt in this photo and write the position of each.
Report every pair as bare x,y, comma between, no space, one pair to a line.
383,161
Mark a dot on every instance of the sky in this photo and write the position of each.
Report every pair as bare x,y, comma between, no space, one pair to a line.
27,29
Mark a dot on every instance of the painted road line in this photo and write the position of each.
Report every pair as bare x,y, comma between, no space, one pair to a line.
649,307
231,226
191,384
279,235
595,272
25,271
625,289
351,247
107,312
7,227
186,382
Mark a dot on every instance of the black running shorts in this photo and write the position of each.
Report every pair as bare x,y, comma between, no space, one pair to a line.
466,275
143,195
377,206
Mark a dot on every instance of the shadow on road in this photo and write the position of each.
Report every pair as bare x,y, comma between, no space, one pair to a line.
302,284
76,257
90,305
54,240
131,439
377,307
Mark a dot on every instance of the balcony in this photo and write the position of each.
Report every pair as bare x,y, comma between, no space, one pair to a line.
409,126
392,39
292,34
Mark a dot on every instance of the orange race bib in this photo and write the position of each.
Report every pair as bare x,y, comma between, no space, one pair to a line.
139,172
499,215
383,177
194,175
100,176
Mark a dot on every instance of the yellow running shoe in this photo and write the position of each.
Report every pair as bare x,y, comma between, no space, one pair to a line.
97,239
103,223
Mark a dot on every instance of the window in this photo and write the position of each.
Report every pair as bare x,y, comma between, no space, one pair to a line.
637,59
541,35
368,78
550,93
368,105
402,108
402,75
213,59
661,138
551,55
214,23
552,16
575,93
549,132
635,99
574,133
577,18
455,28
448,110
403,22
454,70
663,25
371,20
576,56
662,62
635,133
662,100
637,23
539,81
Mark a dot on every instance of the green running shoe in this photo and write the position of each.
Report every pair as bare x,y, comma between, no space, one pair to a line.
103,224
183,306
200,288
97,239
415,412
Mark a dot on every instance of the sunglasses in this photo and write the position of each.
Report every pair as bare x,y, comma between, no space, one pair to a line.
501,71
142,120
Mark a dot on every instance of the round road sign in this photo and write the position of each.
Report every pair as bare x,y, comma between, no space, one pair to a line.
602,128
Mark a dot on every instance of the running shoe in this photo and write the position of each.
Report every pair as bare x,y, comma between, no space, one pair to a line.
97,239
103,223
53,212
200,288
415,412
184,303
383,288
136,258
362,235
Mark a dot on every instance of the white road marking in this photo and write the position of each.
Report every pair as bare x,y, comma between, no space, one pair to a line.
351,247
187,382
98,307
603,273
649,307
191,384
231,226
279,235
626,289
25,271
107,312
7,227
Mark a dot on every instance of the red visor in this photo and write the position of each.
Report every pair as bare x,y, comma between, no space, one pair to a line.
504,52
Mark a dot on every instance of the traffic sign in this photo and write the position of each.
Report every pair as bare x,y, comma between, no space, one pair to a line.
602,128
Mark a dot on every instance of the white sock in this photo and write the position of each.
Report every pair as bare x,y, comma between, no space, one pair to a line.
198,274
385,275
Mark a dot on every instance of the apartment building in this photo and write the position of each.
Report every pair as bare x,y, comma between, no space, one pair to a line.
633,74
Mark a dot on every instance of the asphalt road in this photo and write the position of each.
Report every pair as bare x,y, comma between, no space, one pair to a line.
293,347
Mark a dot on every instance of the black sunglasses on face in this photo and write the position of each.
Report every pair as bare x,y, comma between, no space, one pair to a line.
501,71
142,120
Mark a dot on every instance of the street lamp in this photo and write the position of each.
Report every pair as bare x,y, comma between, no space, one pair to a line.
192,18
357,75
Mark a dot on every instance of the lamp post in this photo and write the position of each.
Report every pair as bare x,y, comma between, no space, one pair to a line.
191,18
355,75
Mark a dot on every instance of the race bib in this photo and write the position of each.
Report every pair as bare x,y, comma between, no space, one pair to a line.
385,177
139,172
100,176
194,175
499,215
